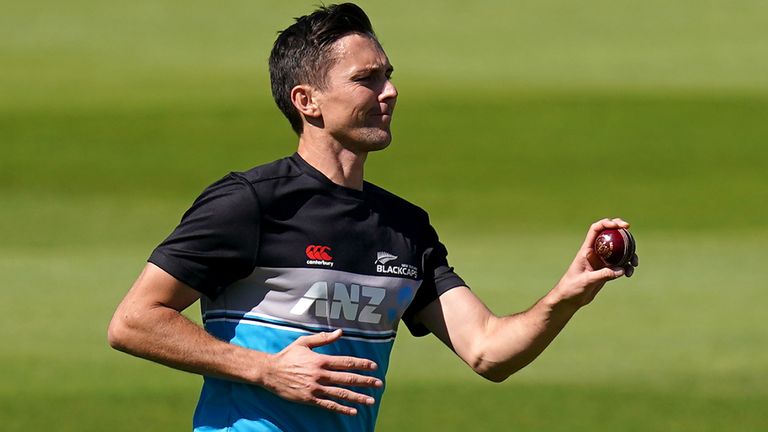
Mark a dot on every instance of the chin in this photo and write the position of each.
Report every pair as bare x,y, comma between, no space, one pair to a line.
375,140
378,148
366,140
380,145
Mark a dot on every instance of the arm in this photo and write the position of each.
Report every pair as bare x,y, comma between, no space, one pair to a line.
148,323
496,347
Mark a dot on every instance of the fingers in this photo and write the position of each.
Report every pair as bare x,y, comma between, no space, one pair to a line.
334,406
326,396
335,362
600,225
344,395
347,363
319,339
629,269
351,380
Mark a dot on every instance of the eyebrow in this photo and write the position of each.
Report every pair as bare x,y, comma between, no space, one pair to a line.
369,69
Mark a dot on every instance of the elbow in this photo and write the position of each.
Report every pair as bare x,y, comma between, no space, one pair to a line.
494,376
118,334
493,372
495,366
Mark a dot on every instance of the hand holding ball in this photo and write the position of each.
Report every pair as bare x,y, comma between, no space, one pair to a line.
615,247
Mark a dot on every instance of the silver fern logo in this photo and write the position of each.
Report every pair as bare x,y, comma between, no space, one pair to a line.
407,270
384,257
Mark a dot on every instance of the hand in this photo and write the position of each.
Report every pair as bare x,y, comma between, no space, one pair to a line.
301,375
587,274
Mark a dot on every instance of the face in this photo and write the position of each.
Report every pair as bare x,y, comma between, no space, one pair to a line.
357,104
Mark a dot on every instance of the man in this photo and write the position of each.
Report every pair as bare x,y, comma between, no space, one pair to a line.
304,270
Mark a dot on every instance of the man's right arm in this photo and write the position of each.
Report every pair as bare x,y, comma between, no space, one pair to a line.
148,323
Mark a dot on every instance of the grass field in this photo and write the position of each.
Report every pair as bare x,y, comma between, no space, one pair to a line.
518,123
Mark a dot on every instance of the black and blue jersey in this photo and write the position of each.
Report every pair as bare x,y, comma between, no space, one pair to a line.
279,252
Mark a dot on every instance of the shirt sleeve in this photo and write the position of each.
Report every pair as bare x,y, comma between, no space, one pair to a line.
216,242
439,277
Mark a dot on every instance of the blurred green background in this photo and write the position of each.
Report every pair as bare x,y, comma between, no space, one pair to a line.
518,124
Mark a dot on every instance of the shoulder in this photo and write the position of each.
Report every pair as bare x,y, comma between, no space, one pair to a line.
274,171
395,206
255,184
380,194
273,180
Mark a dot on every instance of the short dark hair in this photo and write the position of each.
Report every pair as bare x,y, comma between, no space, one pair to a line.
302,54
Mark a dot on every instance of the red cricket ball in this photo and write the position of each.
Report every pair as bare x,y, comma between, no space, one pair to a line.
615,247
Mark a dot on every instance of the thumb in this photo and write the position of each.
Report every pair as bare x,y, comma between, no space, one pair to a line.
605,274
319,339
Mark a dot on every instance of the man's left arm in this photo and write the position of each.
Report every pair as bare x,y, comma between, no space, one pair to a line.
496,347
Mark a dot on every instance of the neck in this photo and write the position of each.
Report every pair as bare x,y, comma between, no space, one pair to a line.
341,165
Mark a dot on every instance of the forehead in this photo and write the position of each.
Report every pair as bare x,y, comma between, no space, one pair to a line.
354,52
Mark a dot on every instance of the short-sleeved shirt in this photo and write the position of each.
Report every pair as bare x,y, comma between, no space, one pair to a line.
280,252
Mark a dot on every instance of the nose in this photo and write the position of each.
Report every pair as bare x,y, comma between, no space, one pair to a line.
388,92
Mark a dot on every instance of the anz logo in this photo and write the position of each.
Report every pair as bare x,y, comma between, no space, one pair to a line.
354,303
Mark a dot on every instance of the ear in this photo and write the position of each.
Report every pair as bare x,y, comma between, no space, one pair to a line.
304,98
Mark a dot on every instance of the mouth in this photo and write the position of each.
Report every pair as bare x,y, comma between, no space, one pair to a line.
382,114
384,110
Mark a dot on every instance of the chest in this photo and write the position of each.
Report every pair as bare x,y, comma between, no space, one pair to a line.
320,232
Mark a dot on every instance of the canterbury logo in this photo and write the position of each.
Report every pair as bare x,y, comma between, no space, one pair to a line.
384,257
315,252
